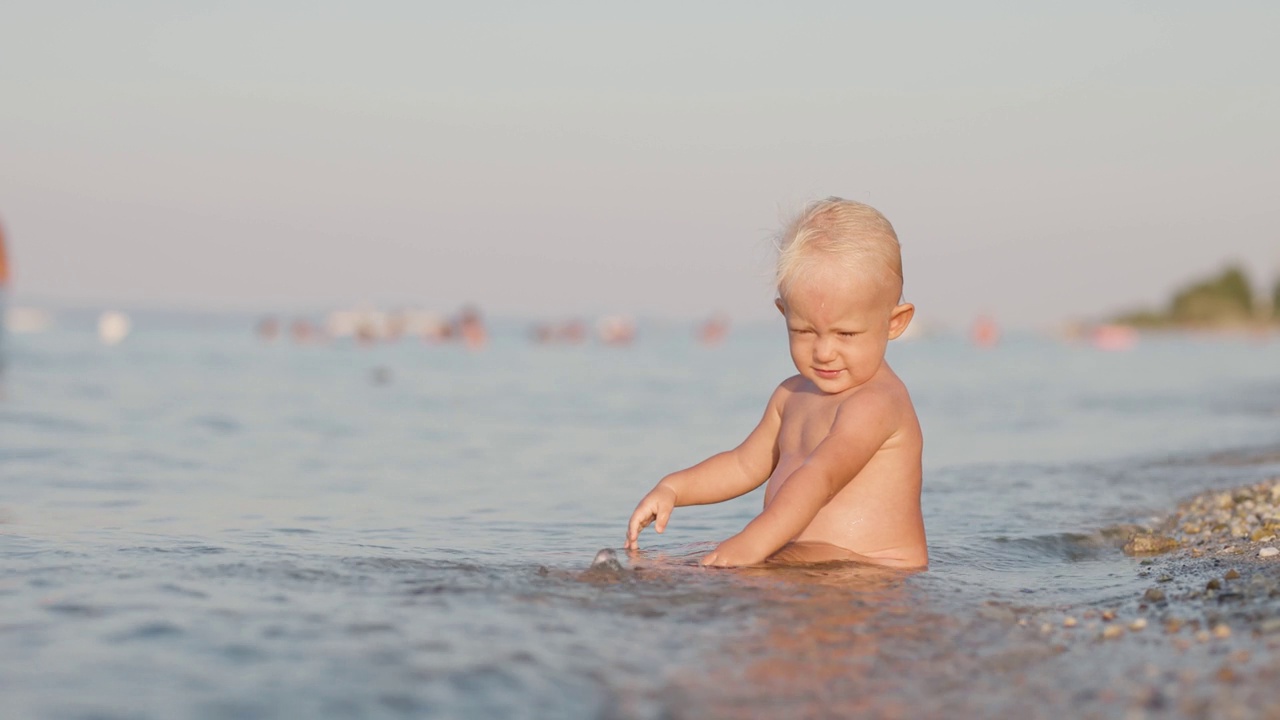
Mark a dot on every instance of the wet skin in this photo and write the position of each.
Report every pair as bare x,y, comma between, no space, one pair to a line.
839,444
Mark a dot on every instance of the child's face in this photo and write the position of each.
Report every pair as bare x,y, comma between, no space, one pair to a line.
839,322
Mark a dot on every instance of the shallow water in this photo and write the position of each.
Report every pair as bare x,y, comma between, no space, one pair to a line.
194,524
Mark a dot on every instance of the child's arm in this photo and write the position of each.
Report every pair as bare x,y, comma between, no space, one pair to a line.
720,477
862,425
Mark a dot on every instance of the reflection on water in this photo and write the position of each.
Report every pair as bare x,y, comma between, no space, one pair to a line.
197,525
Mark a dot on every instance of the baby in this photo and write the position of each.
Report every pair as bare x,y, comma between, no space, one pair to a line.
839,445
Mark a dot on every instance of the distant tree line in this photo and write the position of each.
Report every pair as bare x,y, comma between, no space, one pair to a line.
1221,301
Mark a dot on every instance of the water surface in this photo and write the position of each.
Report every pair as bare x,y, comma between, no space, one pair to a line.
195,524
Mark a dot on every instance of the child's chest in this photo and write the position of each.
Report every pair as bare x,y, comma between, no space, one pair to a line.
806,422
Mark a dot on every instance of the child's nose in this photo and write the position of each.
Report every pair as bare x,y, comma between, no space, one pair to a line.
824,350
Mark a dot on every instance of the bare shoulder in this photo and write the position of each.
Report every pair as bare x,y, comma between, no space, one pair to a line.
883,401
790,385
785,390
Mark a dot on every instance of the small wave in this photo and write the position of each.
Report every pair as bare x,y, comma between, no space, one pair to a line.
100,484
37,453
76,609
174,549
40,421
178,590
1068,547
148,631
219,424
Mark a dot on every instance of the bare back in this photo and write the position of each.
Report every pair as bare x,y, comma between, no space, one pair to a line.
875,517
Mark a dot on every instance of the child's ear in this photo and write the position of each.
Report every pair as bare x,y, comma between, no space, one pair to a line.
778,303
899,319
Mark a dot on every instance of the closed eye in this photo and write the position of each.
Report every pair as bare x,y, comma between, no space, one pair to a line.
844,333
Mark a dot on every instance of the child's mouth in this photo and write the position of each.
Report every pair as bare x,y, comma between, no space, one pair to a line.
827,374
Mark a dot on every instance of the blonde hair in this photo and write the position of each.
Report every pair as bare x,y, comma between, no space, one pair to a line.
852,234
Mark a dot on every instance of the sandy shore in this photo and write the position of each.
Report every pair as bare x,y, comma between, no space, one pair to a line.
1203,638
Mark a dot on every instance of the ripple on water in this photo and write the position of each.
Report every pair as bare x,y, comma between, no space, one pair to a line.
75,609
151,630
100,484
31,454
1066,547
52,423
217,424
172,589
174,549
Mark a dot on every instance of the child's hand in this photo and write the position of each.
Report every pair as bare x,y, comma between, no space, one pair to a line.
734,552
654,508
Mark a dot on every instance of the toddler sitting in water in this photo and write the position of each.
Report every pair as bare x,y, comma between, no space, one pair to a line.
839,444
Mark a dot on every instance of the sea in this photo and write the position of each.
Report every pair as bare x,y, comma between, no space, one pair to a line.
195,523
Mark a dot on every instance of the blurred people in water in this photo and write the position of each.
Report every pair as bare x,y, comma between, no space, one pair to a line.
571,332
304,332
984,332
113,327
616,330
471,329
714,330
437,332
396,325
268,329
543,333
1113,337
366,332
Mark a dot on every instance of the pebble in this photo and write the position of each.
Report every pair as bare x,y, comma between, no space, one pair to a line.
1213,584
1153,595
1231,575
1202,636
1268,552
1247,513
1068,621
1221,631
1112,631
1150,543
1108,615
1138,624
606,561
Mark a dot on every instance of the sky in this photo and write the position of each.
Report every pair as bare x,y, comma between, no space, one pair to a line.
577,159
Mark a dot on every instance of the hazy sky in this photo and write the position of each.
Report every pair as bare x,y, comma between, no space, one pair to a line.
557,159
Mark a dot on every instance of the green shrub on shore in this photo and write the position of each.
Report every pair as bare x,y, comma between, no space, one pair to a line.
1225,300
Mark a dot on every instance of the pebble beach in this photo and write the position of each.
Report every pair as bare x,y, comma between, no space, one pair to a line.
1202,640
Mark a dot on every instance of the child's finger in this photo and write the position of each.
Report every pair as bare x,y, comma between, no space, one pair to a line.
638,523
662,517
